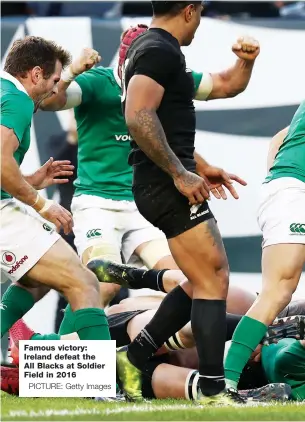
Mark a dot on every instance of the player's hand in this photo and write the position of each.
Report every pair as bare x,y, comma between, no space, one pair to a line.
87,59
47,174
218,179
57,215
192,186
246,48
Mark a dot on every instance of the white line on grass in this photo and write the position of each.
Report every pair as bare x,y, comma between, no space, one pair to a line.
53,412
146,407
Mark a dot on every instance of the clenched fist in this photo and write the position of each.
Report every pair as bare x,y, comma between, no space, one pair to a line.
87,59
246,48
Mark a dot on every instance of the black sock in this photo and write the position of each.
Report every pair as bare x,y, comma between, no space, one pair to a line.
209,330
173,313
232,322
146,279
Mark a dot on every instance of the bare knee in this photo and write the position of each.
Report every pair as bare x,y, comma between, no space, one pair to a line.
82,281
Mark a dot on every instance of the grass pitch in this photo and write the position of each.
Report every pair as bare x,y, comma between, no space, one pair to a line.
75,409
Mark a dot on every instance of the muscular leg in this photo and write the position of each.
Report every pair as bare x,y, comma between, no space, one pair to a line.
154,255
282,266
202,258
61,270
200,254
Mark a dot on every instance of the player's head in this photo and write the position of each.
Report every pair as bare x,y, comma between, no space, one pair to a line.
37,63
186,13
127,38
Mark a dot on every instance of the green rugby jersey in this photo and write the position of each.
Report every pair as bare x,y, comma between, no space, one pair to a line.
290,159
17,110
103,138
285,362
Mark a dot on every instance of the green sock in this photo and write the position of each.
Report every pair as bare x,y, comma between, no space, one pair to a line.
67,324
91,324
15,303
51,336
67,327
246,337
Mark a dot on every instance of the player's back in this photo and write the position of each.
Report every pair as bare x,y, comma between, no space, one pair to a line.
157,54
290,159
103,140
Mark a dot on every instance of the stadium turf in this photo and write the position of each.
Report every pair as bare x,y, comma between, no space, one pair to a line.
66,409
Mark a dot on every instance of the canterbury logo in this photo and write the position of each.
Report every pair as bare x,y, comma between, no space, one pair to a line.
93,233
297,228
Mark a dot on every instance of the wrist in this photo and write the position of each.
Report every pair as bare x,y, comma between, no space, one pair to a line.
247,63
179,173
68,75
39,203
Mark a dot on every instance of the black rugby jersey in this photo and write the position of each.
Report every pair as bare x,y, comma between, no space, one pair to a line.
157,54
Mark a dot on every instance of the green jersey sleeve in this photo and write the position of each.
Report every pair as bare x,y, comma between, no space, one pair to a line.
16,113
197,79
90,83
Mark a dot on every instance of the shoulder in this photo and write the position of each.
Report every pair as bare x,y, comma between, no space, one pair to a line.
95,74
94,78
13,97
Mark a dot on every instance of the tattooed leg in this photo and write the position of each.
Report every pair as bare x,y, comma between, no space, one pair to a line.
200,254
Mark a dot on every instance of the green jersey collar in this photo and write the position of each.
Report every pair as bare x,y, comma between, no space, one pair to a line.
9,77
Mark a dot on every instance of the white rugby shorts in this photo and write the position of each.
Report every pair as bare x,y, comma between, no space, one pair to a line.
24,238
116,226
281,213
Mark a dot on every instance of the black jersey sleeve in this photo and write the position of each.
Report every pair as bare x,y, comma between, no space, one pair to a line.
159,64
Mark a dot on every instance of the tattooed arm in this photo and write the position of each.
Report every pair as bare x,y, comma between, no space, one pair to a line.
143,98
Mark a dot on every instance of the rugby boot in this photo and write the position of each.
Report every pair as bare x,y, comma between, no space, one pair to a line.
228,397
128,376
270,392
289,327
118,398
111,272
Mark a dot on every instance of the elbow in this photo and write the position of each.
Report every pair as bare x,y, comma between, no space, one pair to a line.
232,91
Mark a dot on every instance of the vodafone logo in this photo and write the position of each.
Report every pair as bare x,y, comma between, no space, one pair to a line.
8,258
18,264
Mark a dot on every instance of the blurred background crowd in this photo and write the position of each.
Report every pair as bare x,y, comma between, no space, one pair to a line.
112,9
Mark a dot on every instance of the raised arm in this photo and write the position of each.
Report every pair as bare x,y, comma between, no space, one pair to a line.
234,80
69,92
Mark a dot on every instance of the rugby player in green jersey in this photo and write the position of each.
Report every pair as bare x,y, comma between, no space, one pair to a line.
106,219
281,217
31,252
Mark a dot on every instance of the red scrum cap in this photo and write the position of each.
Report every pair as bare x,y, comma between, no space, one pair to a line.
126,40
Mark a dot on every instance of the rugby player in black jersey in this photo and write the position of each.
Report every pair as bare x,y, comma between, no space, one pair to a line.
157,96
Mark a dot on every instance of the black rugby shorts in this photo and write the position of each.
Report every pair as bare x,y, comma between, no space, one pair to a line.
166,208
